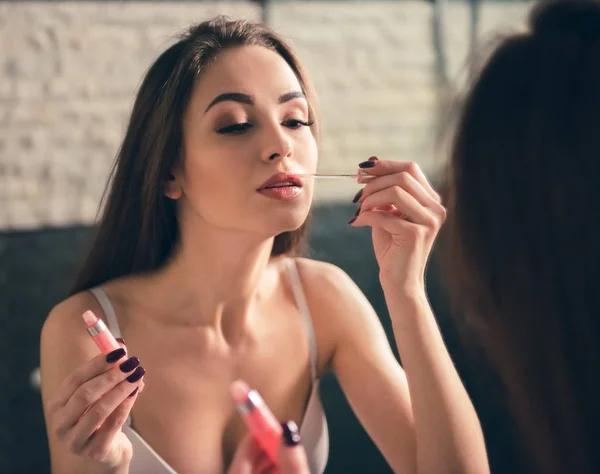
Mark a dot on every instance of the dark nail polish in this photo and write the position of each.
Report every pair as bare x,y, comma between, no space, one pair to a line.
121,340
129,364
373,158
134,392
351,220
366,164
291,437
357,212
138,374
115,355
357,197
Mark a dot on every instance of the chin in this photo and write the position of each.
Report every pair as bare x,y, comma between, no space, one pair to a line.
288,221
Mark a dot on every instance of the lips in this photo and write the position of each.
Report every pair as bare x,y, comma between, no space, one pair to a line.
281,180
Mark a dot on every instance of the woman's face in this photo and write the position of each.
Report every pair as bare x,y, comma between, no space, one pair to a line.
247,121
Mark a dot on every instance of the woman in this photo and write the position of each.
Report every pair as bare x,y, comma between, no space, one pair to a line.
524,250
193,266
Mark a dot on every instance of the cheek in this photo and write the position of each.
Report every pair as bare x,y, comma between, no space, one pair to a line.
310,155
216,165
201,177
212,183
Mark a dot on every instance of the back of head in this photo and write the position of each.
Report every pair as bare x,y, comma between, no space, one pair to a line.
523,205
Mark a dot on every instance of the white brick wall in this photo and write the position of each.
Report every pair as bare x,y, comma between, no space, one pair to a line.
68,72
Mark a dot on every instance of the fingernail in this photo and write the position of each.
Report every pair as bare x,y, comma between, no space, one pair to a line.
366,164
357,197
129,364
134,392
121,340
351,220
291,437
115,355
138,374
357,212
373,158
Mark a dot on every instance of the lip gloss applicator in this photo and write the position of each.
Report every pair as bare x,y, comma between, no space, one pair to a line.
360,174
260,420
96,328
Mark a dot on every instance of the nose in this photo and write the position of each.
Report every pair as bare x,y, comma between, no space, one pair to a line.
278,145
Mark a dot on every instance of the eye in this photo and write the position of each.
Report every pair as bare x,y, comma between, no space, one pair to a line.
295,124
235,129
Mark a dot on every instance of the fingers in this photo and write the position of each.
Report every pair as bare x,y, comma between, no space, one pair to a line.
251,459
263,464
384,167
271,469
94,367
403,201
388,222
96,416
406,181
247,456
99,443
292,457
121,343
406,191
93,390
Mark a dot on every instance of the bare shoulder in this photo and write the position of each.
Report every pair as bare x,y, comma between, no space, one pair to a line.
315,272
64,321
341,313
328,286
65,343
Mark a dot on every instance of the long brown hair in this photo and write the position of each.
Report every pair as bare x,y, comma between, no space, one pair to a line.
523,253
138,228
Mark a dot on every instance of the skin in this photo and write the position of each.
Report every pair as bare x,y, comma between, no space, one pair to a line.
222,309
250,459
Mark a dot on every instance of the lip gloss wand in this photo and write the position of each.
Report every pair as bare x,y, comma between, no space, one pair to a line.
355,176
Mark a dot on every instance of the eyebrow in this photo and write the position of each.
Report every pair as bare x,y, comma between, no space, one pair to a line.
247,99
291,96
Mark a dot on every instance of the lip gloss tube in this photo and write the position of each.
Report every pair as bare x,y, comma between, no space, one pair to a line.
260,420
96,328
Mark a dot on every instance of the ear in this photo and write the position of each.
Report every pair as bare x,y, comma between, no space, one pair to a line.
173,187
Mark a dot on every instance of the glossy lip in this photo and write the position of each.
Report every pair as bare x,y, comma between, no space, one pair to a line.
282,178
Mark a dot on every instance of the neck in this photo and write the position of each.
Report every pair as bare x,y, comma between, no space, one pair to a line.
215,277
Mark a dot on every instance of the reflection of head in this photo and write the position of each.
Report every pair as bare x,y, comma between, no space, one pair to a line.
138,228
522,226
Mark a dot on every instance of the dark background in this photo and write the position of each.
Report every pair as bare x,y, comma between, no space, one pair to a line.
37,268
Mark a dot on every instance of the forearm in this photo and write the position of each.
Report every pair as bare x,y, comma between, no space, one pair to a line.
447,430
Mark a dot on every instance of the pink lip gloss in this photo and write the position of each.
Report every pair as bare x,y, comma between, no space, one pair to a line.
100,333
260,420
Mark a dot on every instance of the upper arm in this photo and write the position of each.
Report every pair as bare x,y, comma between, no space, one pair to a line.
363,362
64,346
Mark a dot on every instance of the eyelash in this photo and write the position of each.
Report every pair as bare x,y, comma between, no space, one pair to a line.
239,128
